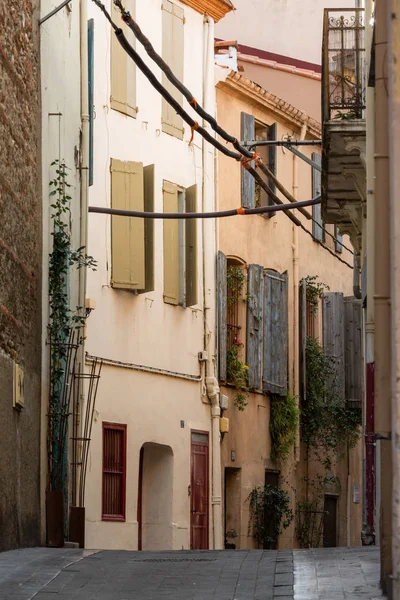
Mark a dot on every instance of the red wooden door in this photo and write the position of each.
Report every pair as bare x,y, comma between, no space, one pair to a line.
199,491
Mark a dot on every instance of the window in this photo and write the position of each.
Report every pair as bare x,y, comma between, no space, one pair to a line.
338,240
311,316
318,224
236,279
180,246
172,52
132,240
123,70
114,472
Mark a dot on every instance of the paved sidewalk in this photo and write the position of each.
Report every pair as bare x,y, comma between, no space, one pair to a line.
322,574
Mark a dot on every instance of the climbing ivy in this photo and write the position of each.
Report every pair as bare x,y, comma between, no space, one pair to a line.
284,419
314,290
270,514
237,372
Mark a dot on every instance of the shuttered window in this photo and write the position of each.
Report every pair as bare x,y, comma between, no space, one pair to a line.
222,293
333,336
148,188
338,240
353,352
172,53
275,367
247,133
317,226
123,70
127,234
272,158
114,472
180,246
254,328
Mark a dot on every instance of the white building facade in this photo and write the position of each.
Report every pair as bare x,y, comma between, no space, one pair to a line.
153,477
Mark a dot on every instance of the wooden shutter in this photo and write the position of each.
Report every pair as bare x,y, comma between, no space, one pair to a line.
173,54
247,132
272,156
221,313
303,339
275,368
90,41
123,70
148,184
171,245
353,351
255,288
127,234
114,472
333,335
338,240
191,248
317,226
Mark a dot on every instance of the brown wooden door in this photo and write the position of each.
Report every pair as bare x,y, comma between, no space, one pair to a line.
199,491
330,520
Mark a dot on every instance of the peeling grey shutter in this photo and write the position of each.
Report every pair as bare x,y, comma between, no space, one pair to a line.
333,335
275,369
247,132
255,287
221,313
317,226
303,339
353,351
272,135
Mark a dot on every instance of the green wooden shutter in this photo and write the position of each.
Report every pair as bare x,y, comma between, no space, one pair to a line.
191,248
221,313
171,245
255,289
303,340
127,234
247,132
333,336
123,70
148,183
91,94
173,54
317,226
272,158
338,240
275,368
353,351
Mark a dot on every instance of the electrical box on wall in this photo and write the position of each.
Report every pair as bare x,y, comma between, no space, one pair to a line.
18,396
224,425
223,402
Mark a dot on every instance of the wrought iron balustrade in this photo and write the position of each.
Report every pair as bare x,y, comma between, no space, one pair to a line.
343,64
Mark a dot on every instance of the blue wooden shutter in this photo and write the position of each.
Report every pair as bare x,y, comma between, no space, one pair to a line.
333,336
247,132
275,369
91,94
317,226
221,313
338,240
272,156
353,352
255,288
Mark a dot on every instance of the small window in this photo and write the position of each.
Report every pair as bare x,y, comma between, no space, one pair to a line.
235,308
312,312
268,155
318,230
114,472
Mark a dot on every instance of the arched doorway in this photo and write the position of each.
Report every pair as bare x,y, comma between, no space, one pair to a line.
155,497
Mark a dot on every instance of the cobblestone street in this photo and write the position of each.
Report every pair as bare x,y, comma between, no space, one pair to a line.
323,574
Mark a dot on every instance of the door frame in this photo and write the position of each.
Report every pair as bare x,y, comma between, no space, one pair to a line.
207,445
337,522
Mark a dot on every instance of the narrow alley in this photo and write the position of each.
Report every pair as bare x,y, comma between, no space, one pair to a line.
67,574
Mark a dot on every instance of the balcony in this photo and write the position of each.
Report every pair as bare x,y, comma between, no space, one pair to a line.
343,118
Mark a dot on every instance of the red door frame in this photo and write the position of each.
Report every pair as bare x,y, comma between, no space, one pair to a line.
207,445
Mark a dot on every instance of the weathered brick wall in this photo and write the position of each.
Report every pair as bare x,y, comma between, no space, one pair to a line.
20,272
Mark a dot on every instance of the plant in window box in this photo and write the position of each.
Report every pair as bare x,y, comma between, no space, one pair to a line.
237,374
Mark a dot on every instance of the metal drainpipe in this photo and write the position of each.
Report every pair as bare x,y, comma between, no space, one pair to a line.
382,290
295,251
208,225
394,153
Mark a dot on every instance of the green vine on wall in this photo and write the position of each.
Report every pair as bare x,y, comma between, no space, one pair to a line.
237,372
283,423
314,291
270,514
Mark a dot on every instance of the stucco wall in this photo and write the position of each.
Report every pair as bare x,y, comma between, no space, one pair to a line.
20,273
142,329
284,27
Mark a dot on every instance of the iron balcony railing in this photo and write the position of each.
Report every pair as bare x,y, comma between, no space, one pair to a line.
343,64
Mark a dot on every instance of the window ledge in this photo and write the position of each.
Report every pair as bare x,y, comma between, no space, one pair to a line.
113,518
